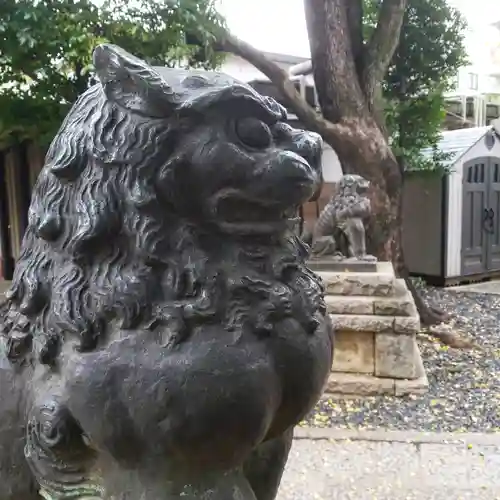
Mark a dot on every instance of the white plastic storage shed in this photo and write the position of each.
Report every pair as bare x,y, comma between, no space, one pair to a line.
451,224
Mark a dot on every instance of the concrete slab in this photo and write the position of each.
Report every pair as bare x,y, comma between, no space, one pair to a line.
421,469
490,287
416,437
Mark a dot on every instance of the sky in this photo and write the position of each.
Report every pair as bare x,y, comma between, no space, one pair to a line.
270,25
279,25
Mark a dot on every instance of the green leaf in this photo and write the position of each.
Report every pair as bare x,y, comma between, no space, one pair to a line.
430,52
46,51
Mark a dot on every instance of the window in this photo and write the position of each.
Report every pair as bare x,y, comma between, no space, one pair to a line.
473,81
492,111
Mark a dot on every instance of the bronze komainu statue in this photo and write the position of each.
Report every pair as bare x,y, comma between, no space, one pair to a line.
339,230
162,335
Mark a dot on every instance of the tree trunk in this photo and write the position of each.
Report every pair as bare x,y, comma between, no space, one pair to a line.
348,73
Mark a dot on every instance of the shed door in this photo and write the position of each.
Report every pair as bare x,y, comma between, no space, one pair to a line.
475,191
481,216
493,224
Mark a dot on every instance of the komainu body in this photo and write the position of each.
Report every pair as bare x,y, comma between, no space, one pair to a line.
162,335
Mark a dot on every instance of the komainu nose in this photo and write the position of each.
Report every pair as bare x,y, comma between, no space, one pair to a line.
312,149
309,145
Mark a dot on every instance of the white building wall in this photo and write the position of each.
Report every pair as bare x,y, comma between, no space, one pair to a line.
240,69
332,170
244,71
482,75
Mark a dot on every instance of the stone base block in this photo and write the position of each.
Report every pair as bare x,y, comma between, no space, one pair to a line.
381,283
371,306
355,385
354,352
377,324
419,385
394,306
346,304
395,356
318,264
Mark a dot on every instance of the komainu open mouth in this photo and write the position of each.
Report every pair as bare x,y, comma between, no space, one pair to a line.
238,213
233,209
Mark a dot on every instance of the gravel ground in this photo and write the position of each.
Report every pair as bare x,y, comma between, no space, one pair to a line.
464,385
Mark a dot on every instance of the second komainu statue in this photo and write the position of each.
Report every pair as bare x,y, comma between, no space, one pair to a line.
339,232
162,336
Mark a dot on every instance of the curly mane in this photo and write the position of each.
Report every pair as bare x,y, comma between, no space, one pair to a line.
99,254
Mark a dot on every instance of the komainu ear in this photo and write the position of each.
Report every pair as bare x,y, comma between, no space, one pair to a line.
132,83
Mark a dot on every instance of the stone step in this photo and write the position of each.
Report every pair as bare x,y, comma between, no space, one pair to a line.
409,325
382,283
371,305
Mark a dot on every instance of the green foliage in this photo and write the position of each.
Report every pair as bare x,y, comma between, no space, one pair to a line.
430,52
46,48
415,126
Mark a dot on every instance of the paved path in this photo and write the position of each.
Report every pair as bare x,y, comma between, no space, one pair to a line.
387,466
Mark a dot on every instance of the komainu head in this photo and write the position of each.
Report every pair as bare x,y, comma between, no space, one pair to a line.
351,184
148,172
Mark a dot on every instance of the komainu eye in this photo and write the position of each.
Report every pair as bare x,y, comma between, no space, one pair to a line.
253,133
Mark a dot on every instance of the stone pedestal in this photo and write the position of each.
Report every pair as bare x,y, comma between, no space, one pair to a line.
376,323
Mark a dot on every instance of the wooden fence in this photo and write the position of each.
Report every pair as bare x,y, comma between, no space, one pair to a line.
19,169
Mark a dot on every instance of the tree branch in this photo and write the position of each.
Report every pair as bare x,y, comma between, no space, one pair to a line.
351,131
309,117
381,46
354,12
